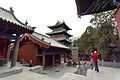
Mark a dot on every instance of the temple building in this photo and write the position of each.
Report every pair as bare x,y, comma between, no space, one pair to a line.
41,50
60,33
11,30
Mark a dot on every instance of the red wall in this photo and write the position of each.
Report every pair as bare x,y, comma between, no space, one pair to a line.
3,47
39,60
117,16
28,52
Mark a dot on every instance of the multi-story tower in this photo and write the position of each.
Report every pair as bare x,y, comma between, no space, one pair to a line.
60,33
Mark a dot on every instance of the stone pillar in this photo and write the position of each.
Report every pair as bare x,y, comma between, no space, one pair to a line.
15,54
75,54
8,54
53,60
43,61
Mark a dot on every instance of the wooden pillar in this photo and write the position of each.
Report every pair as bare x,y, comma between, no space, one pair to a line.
64,57
53,60
8,54
43,61
15,54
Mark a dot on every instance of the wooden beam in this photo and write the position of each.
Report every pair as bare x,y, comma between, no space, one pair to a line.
7,36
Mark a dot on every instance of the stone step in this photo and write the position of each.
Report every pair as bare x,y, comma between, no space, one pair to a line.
27,75
10,71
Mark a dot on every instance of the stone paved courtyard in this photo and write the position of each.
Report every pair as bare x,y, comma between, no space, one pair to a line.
66,73
107,73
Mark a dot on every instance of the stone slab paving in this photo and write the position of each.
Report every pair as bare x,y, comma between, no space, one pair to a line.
107,73
59,72
27,75
71,76
66,73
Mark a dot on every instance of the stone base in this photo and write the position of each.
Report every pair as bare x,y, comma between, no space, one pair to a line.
37,69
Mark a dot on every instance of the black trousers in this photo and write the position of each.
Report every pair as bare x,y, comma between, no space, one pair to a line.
96,66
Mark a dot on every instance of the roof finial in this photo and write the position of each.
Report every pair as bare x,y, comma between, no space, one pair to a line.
26,22
11,10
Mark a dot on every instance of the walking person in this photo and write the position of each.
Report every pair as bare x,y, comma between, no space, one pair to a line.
95,60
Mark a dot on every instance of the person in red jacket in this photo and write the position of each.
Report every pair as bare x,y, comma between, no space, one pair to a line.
95,60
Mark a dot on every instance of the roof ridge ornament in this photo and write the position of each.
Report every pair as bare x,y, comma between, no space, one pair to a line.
26,22
42,38
11,10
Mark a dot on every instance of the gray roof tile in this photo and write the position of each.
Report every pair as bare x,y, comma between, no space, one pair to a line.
9,16
50,40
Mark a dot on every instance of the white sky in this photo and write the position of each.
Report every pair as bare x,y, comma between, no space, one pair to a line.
43,13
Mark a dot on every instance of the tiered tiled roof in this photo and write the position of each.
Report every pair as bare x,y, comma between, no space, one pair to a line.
60,33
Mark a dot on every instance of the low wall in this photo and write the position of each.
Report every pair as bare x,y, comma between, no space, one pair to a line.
105,64
109,64
37,69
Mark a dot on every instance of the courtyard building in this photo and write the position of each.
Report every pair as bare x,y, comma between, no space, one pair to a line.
41,49
11,30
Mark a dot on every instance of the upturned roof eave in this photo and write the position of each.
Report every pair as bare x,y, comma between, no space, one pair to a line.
18,21
60,32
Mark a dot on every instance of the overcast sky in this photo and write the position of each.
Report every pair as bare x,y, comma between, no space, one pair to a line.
43,13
